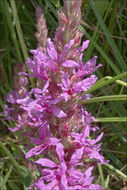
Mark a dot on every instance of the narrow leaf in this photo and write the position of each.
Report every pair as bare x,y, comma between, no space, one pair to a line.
118,172
109,38
111,119
2,185
106,98
102,82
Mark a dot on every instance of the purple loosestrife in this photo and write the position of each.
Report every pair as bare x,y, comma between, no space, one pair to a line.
58,130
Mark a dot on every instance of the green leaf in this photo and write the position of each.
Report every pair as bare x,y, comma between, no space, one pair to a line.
114,159
2,185
24,171
106,98
27,181
101,175
12,185
105,7
106,82
117,81
115,170
20,36
19,30
110,40
107,182
21,170
56,3
7,13
51,7
107,59
111,119
8,153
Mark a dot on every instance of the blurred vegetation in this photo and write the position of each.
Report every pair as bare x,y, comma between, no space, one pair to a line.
104,23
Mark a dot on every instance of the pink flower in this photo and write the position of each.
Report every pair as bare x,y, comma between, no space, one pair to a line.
63,175
85,84
90,149
88,68
43,142
49,116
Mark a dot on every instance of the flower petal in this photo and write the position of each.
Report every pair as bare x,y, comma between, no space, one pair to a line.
51,49
58,112
96,140
70,63
66,81
63,182
85,84
95,187
46,162
88,172
65,51
35,151
60,151
77,155
53,141
84,45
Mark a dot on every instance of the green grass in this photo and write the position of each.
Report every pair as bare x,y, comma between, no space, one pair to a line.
104,24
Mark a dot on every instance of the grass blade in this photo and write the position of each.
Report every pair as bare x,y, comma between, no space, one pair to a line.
101,175
107,182
12,31
102,83
13,186
118,172
109,38
107,59
111,119
2,185
19,30
106,98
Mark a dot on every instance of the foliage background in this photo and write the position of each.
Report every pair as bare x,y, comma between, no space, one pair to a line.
104,23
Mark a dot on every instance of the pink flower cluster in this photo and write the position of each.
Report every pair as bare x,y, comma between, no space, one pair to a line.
57,130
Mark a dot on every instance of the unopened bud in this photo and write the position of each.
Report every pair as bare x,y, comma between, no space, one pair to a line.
42,31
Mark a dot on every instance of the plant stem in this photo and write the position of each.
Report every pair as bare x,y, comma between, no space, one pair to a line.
19,31
12,30
101,175
111,119
102,83
20,36
118,172
122,97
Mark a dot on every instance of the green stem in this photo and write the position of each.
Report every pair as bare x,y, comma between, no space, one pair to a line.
3,183
12,31
8,153
118,172
105,98
112,44
101,175
118,81
20,36
111,23
19,30
102,83
20,169
100,50
111,119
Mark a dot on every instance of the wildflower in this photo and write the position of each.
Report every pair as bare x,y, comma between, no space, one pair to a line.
49,115
63,175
